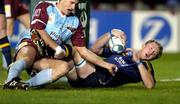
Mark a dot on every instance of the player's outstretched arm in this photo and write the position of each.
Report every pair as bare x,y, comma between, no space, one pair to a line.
146,76
94,59
100,43
98,46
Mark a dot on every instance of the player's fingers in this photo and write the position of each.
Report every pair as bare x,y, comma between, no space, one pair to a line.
116,69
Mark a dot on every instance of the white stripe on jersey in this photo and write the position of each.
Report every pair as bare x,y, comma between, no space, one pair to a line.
37,20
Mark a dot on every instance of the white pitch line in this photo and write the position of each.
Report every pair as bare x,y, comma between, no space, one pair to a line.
170,80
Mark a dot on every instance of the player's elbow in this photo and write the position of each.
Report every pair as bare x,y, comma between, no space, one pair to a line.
150,85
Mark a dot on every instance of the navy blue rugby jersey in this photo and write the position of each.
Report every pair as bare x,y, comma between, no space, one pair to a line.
127,70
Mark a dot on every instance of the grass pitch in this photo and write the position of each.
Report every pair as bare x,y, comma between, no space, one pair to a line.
166,91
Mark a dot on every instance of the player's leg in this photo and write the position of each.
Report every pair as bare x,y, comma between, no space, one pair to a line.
10,11
85,74
23,14
25,20
24,58
10,26
83,68
4,42
51,68
72,74
16,10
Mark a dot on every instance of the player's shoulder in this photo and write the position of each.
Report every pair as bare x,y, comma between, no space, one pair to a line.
44,4
72,15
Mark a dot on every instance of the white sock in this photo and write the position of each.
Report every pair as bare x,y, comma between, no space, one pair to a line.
43,77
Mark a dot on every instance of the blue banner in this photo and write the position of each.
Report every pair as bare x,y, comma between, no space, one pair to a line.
107,20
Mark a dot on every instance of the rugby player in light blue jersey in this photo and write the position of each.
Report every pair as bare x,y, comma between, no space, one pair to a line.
54,27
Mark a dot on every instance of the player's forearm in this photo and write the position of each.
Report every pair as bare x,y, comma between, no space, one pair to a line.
146,76
47,39
97,47
91,57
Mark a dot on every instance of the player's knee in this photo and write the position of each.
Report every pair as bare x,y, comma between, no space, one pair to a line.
27,54
61,70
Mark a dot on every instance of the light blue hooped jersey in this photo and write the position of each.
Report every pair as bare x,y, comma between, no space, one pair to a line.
60,27
26,34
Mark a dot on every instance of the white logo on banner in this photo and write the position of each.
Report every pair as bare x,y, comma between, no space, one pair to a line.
161,26
157,26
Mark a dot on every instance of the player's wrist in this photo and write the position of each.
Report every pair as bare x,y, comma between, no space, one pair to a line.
138,62
58,49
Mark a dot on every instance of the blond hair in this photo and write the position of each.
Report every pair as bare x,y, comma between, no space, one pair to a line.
160,47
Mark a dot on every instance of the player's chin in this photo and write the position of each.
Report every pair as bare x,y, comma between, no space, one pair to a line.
146,59
69,12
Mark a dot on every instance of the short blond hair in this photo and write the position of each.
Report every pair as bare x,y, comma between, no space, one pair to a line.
160,47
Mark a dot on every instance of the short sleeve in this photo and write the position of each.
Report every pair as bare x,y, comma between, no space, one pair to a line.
78,38
40,16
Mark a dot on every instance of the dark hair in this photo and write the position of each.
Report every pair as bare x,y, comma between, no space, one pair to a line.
160,47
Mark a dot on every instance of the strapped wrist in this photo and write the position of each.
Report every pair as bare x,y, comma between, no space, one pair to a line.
58,49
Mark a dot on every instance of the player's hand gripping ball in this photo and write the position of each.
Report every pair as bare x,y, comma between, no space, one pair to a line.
116,45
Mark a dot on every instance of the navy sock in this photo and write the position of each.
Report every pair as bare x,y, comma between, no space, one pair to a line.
6,49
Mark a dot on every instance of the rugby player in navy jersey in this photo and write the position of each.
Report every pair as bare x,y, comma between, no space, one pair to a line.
132,66
4,42
53,25
14,9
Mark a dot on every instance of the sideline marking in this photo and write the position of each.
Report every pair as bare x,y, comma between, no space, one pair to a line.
170,80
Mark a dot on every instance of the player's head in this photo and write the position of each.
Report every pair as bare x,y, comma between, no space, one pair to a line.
67,6
151,50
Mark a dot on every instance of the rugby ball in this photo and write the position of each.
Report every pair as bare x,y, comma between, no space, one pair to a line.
116,45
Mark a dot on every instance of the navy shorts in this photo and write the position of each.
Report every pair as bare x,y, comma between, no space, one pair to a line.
15,8
93,80
2,7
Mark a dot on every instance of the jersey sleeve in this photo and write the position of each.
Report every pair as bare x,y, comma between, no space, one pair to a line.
40,16
78,38
106,52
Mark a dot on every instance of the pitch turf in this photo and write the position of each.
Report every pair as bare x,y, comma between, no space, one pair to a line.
167,90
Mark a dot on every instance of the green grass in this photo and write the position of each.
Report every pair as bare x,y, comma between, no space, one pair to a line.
61,93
